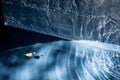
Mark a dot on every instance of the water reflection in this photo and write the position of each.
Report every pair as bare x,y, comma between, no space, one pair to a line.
62,60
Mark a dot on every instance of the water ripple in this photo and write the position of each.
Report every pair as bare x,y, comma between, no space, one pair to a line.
63,60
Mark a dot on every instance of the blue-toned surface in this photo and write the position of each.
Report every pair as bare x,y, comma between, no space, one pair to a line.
62,60
68,19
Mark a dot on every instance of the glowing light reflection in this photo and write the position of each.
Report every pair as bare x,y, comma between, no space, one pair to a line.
71,60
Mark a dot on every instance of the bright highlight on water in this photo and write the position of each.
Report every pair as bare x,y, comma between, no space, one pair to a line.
65,60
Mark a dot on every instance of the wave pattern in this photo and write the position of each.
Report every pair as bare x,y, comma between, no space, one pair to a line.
63,60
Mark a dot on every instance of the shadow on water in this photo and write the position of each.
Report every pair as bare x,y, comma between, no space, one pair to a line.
14,37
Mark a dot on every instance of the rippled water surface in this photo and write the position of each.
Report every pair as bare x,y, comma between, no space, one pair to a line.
62,60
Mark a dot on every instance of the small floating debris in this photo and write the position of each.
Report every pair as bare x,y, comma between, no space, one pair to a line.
36,57
29,54
33,55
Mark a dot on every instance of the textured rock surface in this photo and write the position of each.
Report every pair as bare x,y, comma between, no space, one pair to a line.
69,19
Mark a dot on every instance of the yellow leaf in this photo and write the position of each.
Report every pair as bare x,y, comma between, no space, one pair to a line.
28,54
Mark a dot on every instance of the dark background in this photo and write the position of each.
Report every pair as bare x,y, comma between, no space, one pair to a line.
11,37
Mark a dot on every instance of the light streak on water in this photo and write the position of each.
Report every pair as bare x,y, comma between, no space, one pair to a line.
63,60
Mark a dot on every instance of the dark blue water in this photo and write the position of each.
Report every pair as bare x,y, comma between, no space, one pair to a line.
62,60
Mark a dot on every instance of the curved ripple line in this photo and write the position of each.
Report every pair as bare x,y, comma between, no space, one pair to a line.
67,60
